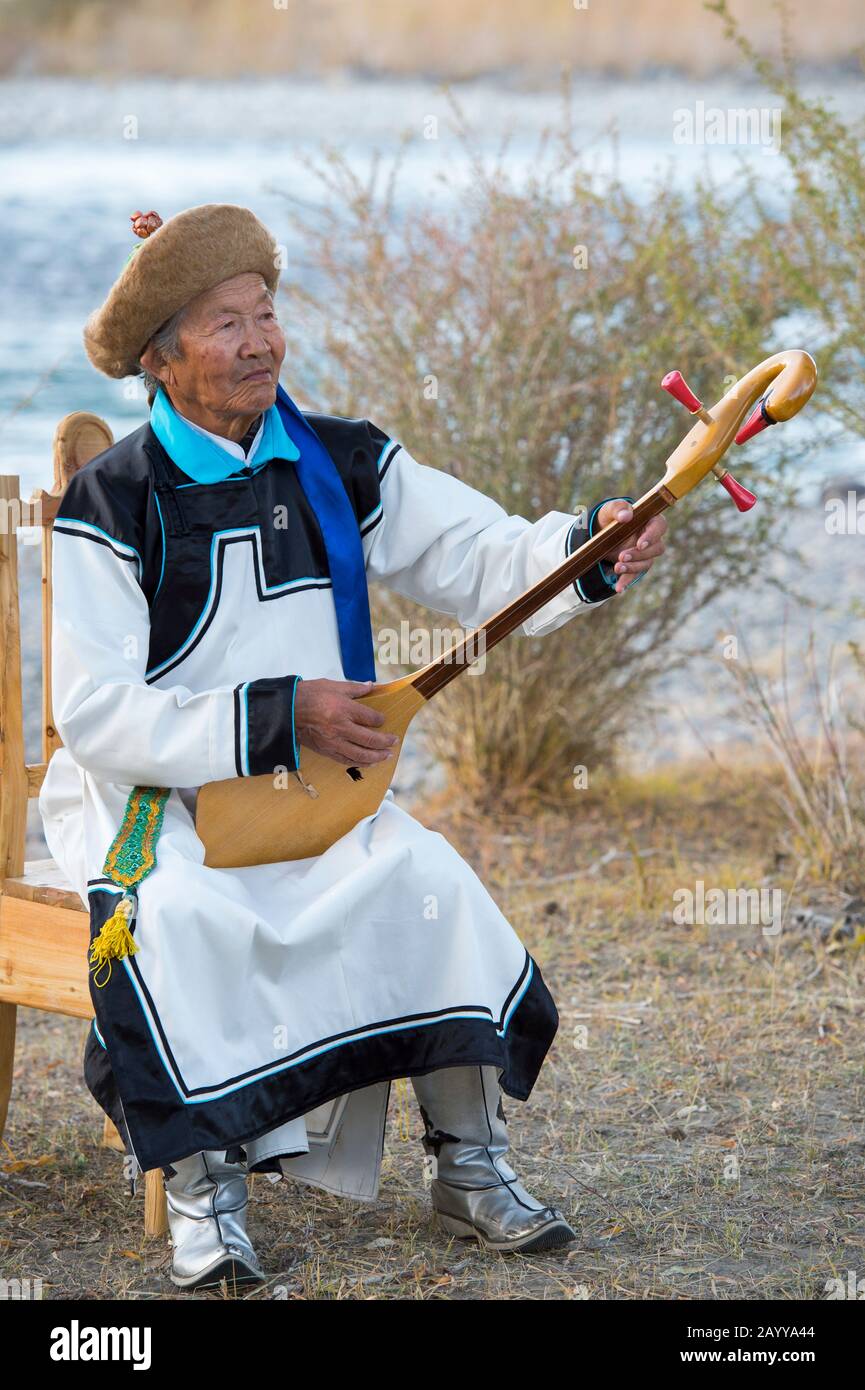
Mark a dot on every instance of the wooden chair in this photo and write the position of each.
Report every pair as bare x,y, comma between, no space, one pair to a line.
44,925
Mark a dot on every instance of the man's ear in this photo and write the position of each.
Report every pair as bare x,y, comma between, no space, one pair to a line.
153,362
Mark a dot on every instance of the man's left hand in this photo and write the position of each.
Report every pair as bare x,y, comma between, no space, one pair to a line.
637,552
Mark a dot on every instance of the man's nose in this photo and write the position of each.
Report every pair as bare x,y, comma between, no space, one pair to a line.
255,341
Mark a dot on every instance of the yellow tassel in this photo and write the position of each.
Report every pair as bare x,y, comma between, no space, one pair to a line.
114,941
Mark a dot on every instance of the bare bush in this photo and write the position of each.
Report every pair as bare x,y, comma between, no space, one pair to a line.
470,328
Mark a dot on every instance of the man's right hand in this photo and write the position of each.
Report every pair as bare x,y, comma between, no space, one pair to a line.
329,718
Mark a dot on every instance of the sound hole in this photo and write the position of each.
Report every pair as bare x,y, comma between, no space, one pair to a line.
355,774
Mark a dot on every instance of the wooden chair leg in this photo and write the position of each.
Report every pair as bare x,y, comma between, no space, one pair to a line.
111,1136
155,1204
8,1014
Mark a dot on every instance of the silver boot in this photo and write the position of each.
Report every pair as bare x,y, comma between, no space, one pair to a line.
475,1193
207,1199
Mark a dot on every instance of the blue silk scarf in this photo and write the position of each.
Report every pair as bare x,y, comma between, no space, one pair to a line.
326,494
288,435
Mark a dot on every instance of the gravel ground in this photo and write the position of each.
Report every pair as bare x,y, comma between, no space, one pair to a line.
699,1118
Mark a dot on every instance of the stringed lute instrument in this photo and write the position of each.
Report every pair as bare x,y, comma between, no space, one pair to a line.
265,819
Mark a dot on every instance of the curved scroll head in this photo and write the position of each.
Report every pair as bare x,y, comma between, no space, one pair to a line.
784,383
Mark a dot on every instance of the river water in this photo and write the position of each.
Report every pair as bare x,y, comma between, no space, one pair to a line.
77,158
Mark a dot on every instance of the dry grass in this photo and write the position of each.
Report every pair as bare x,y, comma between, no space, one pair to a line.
405,37
821,792
704,1045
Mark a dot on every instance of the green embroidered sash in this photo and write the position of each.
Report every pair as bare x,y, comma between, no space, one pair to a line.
130,858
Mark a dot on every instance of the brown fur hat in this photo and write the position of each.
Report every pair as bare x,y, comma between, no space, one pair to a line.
189,254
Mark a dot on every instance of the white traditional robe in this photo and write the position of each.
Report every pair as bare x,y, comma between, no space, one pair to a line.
271,1006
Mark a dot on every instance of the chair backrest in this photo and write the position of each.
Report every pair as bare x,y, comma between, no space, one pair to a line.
79,438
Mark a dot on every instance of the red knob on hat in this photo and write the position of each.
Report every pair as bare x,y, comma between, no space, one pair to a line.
144,224
678,387
743,499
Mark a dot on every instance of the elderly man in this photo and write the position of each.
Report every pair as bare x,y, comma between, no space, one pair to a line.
211,620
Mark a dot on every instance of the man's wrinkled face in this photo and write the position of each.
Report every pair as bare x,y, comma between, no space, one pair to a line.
231,349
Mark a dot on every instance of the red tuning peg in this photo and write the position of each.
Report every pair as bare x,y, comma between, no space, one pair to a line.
743,499
678,387
757,421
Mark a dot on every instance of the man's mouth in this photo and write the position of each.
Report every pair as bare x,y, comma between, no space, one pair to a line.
262,374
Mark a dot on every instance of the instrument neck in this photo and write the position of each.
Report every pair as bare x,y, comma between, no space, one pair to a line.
464,653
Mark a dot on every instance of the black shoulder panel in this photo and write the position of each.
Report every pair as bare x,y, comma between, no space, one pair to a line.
111,498
111,491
